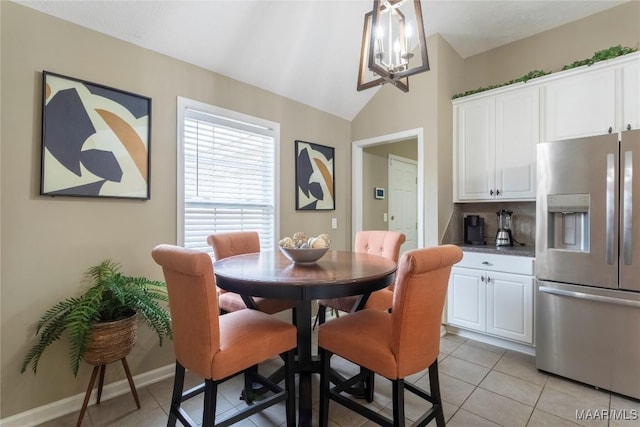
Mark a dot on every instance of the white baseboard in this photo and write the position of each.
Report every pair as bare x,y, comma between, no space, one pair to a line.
487,339
53,410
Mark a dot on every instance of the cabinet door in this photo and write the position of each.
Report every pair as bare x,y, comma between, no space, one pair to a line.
476,149
581,105
517,133
510,306
631,96
466,301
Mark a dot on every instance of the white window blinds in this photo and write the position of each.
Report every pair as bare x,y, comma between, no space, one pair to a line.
229,178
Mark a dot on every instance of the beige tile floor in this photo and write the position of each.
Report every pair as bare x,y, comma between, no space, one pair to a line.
482,385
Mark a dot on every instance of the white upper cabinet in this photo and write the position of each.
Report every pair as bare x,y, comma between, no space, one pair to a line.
581,105
517,133
476,149
631,95
496,146
603,98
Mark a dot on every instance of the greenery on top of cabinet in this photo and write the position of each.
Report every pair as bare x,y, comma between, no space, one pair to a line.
601,55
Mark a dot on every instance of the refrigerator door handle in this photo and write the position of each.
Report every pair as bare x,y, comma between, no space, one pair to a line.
589,297
610,207
627,208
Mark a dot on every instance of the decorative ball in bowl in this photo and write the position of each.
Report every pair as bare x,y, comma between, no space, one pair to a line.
304,255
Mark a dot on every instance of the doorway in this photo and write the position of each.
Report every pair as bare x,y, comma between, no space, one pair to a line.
364,201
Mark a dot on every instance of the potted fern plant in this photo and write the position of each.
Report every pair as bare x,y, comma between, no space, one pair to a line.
102,322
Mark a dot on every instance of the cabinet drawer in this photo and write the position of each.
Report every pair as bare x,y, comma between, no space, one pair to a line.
494,262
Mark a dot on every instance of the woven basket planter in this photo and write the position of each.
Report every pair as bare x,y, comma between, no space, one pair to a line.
111,341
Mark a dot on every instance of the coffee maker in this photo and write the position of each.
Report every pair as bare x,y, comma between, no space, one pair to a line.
474,230
504,237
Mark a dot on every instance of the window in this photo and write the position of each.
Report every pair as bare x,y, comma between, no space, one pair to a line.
227,178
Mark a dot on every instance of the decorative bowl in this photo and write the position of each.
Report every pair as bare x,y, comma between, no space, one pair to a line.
303,255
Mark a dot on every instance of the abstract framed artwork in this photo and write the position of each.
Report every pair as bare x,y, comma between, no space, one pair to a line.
315,184
95,140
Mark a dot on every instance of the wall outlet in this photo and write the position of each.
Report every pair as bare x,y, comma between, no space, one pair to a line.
334,223
384,217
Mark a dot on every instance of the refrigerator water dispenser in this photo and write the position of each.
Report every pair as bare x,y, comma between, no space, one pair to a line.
568,222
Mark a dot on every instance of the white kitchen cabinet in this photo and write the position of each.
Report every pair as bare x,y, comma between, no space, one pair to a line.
631,95
595,100
492,294
496,137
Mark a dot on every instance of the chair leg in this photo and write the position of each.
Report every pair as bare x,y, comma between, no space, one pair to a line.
176,396
290,386
369,385
325,366
398,402
434,382
249,392
210,396
322,314
87,395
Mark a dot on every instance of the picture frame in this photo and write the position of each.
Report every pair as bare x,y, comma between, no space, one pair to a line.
95,140
315,176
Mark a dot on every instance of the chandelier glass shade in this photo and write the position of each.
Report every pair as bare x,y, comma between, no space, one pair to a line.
394,44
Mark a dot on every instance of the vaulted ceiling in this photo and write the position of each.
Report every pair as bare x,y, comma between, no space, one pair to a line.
306,50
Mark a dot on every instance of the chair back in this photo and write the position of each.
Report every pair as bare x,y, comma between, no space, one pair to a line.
418,300
235,243
379,242
193,305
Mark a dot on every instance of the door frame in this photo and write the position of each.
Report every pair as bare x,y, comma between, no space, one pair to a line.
357,153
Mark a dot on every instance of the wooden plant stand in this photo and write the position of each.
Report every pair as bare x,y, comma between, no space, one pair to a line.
101,383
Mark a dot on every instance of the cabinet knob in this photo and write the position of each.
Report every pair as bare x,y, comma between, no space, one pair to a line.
482,278
486,263
497,192
488,279
610,129
629,126
491,192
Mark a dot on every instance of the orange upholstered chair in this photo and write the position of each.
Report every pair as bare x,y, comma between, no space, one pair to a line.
237,243
219,347
376,242
397,344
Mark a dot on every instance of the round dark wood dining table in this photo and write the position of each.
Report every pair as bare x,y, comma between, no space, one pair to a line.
272,275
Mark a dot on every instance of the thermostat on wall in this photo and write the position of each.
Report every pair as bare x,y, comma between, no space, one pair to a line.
379,193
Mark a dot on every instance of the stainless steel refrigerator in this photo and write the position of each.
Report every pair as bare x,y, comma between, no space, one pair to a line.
588,261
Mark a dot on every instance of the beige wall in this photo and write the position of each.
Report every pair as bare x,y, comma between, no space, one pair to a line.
551,50
47,243
375,174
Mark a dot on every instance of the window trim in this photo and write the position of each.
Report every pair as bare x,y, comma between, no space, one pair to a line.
185,103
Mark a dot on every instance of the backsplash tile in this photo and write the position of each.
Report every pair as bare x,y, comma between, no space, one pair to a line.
523,221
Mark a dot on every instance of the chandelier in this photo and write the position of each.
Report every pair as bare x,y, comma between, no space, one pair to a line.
394,45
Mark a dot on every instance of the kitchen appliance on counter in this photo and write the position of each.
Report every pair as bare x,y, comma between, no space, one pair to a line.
504,237
588,261
474,230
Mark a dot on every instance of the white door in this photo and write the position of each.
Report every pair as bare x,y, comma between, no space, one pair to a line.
510,306
466,300
631,96
517,123
476,150
581,105
403,199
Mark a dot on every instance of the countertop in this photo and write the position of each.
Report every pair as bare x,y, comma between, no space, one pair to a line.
517,250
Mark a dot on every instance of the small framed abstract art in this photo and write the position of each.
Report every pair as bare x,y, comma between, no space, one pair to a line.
95,140
315,184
